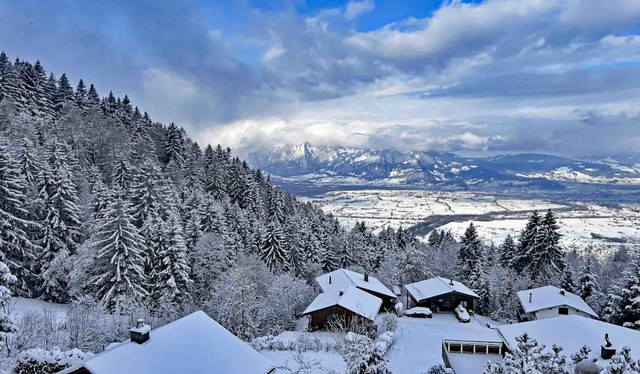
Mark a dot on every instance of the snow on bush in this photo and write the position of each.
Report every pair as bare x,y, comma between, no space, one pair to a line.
437,369
42,361
300,342
622,363
388,322
364,355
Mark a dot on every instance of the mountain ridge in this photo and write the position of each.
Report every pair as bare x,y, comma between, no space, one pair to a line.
346,165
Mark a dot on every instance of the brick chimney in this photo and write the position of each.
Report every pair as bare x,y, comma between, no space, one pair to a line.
366,277
140,333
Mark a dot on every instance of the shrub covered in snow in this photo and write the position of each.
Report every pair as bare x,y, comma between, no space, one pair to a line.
622,363
388,322
41,361
437,369
364,355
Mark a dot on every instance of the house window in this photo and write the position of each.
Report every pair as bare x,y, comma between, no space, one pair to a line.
564,311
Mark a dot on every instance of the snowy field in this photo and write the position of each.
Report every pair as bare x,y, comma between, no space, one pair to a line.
583,224
395,208
21,306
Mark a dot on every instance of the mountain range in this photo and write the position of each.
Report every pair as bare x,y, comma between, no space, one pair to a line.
361,166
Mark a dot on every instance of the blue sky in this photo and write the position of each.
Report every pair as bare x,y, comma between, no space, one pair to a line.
493,76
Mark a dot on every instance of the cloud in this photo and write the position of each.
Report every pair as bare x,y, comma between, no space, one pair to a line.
496,75
357,8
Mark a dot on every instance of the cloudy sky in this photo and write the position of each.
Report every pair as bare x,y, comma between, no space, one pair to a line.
475,77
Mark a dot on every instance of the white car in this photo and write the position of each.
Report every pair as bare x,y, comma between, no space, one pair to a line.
462,314
418,312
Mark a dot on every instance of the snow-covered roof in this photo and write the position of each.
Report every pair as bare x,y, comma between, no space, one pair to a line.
193,344
572,332
550,297
353,299
437,286
342,278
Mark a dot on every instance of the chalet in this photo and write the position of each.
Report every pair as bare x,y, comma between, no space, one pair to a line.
572,333
348,304
341,279
193,344
438,294
549,301
347,294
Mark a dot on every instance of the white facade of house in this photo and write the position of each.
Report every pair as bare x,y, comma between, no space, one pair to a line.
555,312
550,301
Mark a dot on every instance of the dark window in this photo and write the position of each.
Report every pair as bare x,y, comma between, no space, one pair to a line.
564,311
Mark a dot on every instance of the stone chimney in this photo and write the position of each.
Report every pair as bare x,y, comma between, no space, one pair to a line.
530,296
140,333
366,277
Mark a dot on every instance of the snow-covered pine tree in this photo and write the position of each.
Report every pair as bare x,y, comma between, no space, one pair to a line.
81,97
273,251
588,281
117,272
567,282
60,218
64,92
507,252
547,258
7,325
173,146
93,99
623,303
16,248
172,283
470,255
526,242
122,173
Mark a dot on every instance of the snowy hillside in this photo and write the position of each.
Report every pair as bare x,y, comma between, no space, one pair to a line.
343,165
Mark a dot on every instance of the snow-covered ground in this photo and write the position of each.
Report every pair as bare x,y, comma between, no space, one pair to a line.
395,208
582,224
21,306
418,342
327,362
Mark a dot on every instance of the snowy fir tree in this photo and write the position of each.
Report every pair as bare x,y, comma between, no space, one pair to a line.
273,251
545,254
526,243
172,280
623,303
470,255
118,270
364,356
16,247
588,281
7,325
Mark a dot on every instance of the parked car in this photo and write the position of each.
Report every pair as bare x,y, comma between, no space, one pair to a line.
418,312
462,314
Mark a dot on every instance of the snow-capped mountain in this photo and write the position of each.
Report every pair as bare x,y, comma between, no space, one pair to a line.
343,165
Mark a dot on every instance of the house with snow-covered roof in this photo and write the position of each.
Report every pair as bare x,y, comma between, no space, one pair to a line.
347,294
550,301
193,344
341,279
572,332
438,294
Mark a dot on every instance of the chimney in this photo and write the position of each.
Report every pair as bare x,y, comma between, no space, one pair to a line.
329,279
451,282
562,292
366,277
140,333
530,296
341,292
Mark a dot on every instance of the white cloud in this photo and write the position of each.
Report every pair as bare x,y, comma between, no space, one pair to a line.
357,8
273,53
168,86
